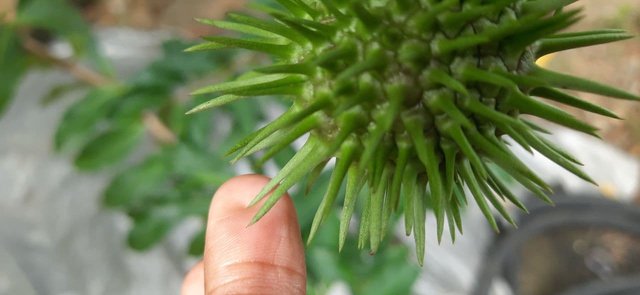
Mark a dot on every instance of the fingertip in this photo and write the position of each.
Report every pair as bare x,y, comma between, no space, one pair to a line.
236,193
267,255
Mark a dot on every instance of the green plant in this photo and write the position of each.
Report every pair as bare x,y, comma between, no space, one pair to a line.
166,165
413,99
38,21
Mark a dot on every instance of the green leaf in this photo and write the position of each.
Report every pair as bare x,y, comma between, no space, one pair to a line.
403,144
587,33
63,19
284,138
541,28
456,134
175,68
216,102
363,231
377,201
138,183
251,84
317,154
375,59
555,156
556,43
296,68
353,186
81,119
269,26
218,42
153,227
315,173
316,37
505,159
570,82
239,27
325,262
196,247
58,91
440,77
199,166
333,9
247,114
293,7
51,14
426,150
109,147
197,205
390,275
528,105
419,215
408,194
460,18
497,204
564,98
476,191
136,101
13,61
55,15
444,46
289,118
326,29
307,204
497,184
265,7
198,129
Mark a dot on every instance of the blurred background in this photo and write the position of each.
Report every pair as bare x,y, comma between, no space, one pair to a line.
105,183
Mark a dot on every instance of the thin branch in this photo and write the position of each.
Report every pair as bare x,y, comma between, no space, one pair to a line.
157,129
77,70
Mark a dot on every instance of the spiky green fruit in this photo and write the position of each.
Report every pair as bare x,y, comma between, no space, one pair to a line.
413,99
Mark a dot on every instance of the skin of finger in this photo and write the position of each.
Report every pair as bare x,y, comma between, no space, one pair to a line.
193,283
264,258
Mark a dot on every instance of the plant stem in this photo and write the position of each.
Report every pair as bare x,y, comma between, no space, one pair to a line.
154,125
77,70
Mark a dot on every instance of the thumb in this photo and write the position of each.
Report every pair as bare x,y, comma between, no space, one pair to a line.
264,258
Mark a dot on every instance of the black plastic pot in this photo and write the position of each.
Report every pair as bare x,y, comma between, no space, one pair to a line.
584,245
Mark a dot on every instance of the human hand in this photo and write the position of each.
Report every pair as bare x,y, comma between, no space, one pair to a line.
264,258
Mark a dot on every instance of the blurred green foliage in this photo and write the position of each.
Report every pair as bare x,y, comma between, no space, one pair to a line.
13,61
157,183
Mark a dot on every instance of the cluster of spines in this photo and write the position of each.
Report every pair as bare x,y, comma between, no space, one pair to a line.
360,105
